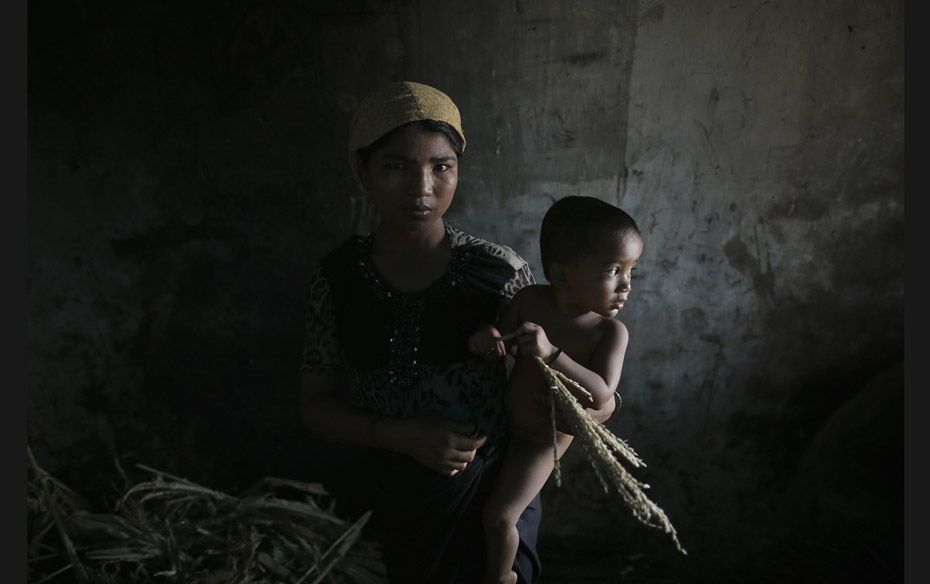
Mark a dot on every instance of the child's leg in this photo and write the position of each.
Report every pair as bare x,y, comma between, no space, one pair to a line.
523,473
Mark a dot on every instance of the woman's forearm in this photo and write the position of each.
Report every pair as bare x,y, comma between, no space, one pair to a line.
443,445
330,417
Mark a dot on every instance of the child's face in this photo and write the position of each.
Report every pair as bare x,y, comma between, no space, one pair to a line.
601,281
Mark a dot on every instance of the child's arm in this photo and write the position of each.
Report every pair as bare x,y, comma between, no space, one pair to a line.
602,376
607,360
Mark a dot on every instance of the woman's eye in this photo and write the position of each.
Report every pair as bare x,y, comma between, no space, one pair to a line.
395,166
442,167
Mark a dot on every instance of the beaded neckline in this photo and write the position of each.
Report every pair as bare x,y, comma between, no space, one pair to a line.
451,278
405,309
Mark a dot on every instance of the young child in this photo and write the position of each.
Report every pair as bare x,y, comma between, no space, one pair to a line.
588,250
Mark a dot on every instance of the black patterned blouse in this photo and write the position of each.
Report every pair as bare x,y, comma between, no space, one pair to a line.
406,354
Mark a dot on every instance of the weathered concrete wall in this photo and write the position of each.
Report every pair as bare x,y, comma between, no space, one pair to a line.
187,167
765,158
765,161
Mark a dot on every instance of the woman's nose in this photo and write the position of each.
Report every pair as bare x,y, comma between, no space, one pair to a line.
422,183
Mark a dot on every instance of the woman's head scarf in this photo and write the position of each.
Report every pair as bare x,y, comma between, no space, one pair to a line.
395,104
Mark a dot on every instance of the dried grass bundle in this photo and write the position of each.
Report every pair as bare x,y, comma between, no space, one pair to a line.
168,529
603,451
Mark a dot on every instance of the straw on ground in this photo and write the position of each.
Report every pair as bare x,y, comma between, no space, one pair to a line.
169,529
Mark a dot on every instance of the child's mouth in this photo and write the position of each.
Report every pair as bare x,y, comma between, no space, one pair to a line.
618,304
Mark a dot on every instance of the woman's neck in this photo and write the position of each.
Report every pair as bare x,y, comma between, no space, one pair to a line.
410,262
391,242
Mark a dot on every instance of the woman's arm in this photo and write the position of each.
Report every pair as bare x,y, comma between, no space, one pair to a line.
443,445
492,342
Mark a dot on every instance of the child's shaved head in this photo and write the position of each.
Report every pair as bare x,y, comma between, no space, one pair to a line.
575,226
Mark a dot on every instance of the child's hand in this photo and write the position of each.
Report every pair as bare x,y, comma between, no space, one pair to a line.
487,342
532,340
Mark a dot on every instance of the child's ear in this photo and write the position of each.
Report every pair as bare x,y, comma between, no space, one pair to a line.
557,275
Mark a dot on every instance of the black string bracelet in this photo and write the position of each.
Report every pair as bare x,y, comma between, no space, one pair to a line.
554,356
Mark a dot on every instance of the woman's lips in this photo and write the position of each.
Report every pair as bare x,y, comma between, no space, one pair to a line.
419,210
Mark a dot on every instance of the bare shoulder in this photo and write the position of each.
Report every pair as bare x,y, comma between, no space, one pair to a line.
614,331
532,296
616,325
533,292
468,243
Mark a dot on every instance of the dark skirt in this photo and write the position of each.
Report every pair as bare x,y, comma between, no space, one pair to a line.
429,525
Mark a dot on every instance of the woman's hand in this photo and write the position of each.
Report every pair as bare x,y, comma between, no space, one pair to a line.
487,342
443,445
532,340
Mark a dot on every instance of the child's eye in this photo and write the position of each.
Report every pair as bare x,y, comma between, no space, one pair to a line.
613,272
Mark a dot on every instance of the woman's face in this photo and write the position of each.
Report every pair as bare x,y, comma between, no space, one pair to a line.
412,178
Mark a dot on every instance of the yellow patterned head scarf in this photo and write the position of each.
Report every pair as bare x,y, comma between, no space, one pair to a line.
396,104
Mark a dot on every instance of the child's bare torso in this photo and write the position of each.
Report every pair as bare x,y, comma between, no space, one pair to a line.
578,336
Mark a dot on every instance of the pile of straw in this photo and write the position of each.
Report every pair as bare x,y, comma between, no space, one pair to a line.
603,452
168,529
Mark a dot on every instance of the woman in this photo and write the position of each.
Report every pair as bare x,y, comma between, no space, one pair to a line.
386,367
